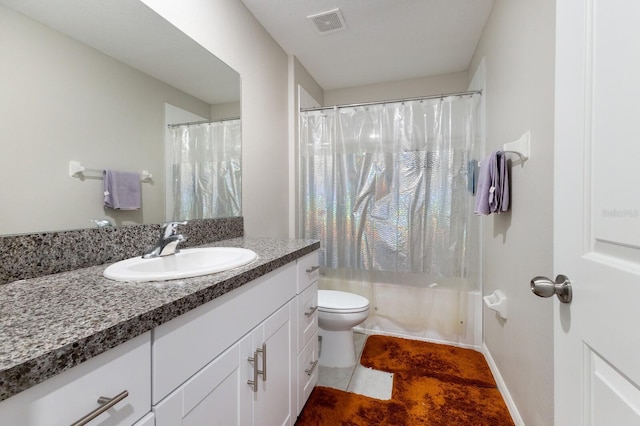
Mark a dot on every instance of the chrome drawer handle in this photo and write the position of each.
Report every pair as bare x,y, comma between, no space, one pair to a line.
105,404
263,351
313,269
309,371
311,311
254,383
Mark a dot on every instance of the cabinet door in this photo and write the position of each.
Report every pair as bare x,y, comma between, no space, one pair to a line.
272,402
209,397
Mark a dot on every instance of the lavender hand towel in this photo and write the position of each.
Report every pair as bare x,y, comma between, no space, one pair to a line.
482,191
504,184
492,195
122,190
495,189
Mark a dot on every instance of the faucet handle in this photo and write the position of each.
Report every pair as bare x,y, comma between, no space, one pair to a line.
171,228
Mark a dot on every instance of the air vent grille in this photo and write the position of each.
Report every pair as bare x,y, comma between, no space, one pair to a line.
329,21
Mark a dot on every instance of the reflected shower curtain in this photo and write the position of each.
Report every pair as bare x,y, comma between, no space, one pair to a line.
206,162
386,189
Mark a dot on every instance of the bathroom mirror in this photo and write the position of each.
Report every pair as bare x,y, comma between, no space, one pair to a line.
97,83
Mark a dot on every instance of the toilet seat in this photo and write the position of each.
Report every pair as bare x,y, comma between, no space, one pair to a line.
341,302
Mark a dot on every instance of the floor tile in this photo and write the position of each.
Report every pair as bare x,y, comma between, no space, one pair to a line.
372,383
337,378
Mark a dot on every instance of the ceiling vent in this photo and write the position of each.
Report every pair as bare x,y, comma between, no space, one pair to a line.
330,21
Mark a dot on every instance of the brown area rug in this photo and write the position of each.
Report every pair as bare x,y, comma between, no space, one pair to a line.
433,384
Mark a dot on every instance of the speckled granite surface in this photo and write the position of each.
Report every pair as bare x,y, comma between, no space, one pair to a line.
34,255
52,323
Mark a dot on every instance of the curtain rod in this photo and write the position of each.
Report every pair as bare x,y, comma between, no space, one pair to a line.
193,123
420,98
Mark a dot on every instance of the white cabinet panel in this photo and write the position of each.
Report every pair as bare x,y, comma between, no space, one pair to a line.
185,344
272,402
307,372
71,395
308,271
269,402
148,420
209,397
307,315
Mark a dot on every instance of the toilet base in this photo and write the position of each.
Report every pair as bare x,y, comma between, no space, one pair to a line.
337,349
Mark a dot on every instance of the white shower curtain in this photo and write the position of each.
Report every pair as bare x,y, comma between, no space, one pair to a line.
206,160
387,189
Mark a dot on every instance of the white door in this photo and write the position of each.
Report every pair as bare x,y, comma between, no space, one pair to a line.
597,212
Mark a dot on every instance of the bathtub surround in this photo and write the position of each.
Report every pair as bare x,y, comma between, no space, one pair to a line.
34,255
53,323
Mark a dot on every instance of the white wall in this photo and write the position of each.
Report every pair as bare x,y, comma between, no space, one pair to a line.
229,30
61,101
424,86
301,84
518,47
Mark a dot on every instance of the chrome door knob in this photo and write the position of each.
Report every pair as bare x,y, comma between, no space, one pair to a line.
544,287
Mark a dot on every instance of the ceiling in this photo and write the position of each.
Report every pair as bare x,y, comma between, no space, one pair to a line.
132,33
384,40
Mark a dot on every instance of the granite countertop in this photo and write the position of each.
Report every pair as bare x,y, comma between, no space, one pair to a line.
52,323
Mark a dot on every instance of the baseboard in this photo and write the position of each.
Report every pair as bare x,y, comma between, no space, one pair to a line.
502,387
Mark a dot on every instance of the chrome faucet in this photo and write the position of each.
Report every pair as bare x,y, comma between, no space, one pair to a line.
168,242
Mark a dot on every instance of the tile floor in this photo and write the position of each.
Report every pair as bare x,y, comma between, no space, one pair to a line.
358,379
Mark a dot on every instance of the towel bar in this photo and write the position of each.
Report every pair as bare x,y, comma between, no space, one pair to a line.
77,170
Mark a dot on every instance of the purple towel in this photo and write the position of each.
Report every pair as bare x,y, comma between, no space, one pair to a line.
492,195
503,173
122,190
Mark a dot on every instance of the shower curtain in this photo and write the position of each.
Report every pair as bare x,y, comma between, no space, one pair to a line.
206,159
387,189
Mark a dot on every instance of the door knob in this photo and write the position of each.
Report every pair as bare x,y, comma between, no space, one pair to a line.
544,287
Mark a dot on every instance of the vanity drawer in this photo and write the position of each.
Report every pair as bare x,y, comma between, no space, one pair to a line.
71,395
307,311
308,270
307,371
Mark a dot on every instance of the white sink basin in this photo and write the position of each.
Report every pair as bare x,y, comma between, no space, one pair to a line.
187,263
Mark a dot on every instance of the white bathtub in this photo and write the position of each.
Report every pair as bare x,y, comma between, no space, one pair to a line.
436,312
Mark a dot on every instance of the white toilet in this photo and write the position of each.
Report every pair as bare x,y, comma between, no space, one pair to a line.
338,313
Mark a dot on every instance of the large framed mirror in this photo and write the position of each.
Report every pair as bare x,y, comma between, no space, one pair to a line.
89,85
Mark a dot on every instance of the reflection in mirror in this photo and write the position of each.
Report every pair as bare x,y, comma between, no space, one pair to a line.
99,83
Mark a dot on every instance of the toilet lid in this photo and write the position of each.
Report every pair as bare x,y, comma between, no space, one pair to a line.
341,301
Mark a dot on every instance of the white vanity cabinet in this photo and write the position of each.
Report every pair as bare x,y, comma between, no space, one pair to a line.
221,393
267,356
247,357
202,365
306,374
71,395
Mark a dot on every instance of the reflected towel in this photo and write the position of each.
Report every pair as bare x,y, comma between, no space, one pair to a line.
122,190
